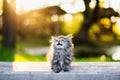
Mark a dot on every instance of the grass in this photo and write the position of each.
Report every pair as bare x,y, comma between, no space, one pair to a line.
21,56
27,58
92,59
33,42
6,54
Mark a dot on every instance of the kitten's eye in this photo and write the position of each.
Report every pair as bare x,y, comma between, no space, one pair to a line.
56,40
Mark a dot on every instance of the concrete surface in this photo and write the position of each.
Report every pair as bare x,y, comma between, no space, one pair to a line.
37,50
41,71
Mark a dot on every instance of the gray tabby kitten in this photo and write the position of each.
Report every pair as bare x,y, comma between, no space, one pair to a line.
60,54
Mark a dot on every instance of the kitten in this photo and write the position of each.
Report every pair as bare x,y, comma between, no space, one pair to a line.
60,54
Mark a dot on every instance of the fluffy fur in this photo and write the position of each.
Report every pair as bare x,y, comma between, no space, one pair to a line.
60,54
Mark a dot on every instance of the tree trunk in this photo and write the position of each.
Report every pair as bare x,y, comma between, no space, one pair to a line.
8,31
9,24
89,18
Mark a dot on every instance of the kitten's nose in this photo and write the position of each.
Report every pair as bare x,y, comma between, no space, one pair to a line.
59,43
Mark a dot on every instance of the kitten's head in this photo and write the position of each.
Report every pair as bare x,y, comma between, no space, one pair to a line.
62,42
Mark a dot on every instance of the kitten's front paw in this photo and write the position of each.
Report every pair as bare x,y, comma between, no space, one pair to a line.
66,69
56,69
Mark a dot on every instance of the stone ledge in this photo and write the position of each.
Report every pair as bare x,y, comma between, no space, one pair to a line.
41,71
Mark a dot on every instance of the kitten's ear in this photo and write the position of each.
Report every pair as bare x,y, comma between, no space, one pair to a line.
52,38
69,36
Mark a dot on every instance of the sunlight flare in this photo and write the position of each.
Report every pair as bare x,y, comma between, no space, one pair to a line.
74,7
24,5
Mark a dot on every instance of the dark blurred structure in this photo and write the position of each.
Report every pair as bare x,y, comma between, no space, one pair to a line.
97,47
40,23
9,24
91,17
8,31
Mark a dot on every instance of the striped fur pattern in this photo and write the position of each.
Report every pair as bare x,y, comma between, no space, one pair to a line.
60,54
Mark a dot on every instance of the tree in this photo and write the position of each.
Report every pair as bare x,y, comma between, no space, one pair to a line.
9,23
8,31
89,18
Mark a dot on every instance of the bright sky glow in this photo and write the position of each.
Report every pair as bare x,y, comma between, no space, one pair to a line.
74,7
70,6
92,3
66,5
115,4
27,5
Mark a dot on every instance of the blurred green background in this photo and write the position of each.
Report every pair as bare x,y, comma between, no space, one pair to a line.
26,27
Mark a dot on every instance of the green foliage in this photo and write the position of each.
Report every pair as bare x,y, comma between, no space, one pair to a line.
92,59
33,43
28,57
72,23
24,57
7,54
88,51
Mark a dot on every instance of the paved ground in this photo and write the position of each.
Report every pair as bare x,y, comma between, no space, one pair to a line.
41,71
37,51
